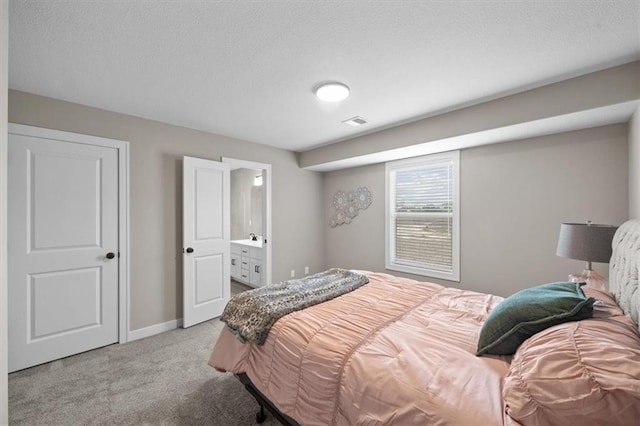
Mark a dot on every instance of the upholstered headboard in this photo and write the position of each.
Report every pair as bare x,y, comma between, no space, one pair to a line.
624,268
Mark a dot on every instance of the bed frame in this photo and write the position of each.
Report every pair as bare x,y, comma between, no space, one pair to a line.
264,402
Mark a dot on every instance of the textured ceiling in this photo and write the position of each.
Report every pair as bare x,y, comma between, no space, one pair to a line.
247,69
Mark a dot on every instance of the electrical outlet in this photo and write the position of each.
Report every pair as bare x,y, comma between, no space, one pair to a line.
306,270
293,273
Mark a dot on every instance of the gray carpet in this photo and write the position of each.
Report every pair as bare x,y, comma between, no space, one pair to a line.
160,380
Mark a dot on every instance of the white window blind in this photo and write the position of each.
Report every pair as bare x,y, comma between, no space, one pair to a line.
422,216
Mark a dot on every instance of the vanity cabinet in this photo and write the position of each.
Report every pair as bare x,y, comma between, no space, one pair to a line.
236,258
246,264
255,267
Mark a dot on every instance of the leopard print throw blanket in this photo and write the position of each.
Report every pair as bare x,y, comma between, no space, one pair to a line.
250,314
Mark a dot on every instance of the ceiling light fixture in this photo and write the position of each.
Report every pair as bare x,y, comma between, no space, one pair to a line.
332,92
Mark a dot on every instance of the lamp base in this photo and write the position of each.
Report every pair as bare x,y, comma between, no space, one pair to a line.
592,278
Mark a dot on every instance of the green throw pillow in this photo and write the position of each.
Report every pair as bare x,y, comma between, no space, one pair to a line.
530,311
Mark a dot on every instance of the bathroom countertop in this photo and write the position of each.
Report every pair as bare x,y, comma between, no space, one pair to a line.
248,242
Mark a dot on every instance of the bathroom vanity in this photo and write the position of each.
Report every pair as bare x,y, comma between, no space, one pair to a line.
246,262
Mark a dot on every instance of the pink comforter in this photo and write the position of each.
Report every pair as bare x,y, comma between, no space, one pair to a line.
395,351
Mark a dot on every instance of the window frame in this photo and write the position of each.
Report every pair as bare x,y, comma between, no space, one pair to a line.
411,163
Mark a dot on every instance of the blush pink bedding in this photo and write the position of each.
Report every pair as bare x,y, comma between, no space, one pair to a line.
395,351
578,373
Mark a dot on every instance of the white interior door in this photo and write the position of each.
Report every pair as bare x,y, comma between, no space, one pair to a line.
206,231
63,248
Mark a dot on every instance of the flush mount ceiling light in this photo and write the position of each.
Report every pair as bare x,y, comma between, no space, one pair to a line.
332,92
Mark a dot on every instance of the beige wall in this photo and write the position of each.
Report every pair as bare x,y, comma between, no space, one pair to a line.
513,198
4,56
156,150
360,244
634,166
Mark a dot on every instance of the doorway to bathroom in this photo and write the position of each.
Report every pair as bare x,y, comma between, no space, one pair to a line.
250,224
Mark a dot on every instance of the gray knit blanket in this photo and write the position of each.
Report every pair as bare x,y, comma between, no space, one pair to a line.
250,314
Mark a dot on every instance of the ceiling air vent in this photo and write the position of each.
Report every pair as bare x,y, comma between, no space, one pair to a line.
355,121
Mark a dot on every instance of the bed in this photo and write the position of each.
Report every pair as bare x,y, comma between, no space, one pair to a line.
399,351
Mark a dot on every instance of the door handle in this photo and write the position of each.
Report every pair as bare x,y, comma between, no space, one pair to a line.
111,255
189,250
233,262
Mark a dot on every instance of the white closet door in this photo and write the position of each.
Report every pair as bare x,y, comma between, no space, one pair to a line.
63,248
206,228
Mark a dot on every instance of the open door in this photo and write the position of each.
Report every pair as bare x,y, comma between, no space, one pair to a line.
206,251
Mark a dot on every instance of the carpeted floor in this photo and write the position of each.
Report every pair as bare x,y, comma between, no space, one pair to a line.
160,380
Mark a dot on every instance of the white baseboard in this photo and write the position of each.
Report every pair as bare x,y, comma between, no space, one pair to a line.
141,333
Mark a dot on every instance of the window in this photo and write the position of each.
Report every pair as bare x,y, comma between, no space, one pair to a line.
423,211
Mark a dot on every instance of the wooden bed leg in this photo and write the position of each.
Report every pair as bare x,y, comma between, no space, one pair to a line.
261,416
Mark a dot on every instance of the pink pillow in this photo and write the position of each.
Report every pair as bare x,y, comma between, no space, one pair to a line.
583,372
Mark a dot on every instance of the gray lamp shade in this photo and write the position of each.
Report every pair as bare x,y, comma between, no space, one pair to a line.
588,242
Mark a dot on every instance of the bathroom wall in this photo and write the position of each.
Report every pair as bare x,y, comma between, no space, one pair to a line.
246,204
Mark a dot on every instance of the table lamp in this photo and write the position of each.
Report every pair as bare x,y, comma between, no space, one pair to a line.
589,242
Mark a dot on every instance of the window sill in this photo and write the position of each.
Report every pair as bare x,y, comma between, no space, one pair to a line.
431,273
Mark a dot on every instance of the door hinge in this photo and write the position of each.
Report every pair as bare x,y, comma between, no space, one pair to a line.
118,255
265,241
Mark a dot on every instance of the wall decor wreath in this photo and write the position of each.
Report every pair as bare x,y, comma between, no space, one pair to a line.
347,205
